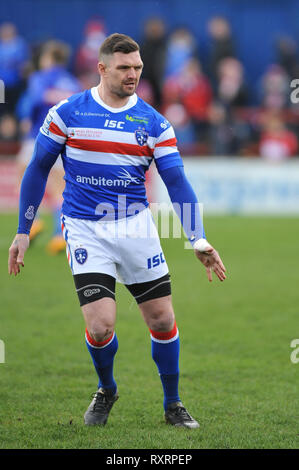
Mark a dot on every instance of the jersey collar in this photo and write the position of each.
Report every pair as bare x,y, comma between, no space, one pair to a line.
131,102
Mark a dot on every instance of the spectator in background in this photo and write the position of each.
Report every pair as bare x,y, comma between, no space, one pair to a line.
177,115
14,54
196,95
9,131
275,88
175,112
9,135
277,143
87,56
231,89
153,53
227,134
192,89
222,43
49,85
287,56
145,92
181,47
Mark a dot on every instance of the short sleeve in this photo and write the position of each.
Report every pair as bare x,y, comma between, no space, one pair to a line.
166,153
54,128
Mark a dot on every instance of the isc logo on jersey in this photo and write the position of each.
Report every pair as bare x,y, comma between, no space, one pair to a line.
114,124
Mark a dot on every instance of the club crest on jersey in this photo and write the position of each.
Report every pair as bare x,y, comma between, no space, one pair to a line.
81,255
141,136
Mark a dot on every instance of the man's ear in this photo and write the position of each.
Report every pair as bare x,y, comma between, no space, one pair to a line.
101,68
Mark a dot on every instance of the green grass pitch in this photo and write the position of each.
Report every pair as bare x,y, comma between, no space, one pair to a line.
237,378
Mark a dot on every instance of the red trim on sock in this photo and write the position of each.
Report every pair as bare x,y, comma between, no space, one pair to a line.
164,335
96,343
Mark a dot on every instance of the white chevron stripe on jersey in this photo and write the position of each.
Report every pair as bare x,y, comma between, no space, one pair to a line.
166,135
163,151
59,122
106,158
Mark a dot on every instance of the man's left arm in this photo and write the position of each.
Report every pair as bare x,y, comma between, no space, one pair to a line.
171,169
186,205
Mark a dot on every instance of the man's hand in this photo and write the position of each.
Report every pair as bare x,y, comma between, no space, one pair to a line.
17,252
210,259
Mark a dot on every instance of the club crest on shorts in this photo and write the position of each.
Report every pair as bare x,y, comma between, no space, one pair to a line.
141,136
81,255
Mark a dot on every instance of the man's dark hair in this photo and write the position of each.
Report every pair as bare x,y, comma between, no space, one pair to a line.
118,43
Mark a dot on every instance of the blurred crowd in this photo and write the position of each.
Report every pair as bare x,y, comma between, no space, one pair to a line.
213,108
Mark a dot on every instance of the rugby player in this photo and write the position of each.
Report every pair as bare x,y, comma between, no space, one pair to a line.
108,137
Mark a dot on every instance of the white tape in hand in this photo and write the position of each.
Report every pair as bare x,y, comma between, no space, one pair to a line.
202,245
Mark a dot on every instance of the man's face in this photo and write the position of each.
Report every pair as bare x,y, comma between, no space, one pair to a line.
121,73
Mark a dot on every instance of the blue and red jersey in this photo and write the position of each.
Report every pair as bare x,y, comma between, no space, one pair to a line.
106,151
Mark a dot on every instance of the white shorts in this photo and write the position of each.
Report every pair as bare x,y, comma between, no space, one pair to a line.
25,154
127,249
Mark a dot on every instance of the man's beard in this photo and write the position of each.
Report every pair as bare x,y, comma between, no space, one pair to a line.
122,93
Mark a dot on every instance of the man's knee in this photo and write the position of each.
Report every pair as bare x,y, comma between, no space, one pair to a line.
158,314
100,332
164,322
100,317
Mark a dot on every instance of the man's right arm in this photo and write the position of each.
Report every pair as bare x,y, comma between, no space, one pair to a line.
49,144
34,184
32,191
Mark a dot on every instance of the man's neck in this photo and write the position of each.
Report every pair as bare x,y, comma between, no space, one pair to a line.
113,101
